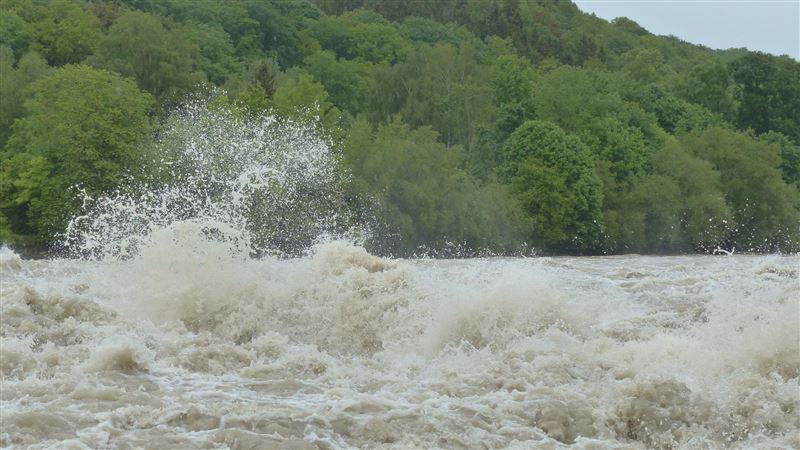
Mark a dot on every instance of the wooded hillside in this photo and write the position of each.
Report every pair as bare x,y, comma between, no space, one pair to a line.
480,124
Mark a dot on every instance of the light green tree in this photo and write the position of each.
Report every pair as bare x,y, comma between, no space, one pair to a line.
512,81
83,128
64,31
349,82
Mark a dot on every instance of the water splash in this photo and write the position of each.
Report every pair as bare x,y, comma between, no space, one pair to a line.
343,349
256,184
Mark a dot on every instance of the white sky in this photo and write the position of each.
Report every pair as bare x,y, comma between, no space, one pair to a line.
771,26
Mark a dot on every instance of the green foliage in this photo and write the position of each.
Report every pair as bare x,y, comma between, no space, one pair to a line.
232,17
350,81
677,116
552,175
6,235
655,201
83,128
572,97
422,196
161,60
14,82
623,147
297,97
360,35
706,219
512,85
427,31
216,58
584,49
483,123
305,98
64,31
679,207
446,88
765,208
644,65
254,26
768,89
630,26
277,25
14,31
708,83
790,156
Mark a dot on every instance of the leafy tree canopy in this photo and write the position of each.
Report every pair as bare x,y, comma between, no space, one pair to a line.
85,129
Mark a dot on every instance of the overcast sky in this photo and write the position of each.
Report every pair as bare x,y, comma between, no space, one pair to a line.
771,26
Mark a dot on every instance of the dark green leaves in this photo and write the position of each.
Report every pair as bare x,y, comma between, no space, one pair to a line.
552,175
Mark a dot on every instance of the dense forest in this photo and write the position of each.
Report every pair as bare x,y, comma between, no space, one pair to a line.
481,124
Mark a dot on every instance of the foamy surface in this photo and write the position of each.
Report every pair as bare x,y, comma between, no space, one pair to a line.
188,347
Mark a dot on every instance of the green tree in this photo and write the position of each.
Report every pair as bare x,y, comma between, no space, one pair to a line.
14,32
624,147
424,199
512,82
572,97
535,29
14,82
83,128
65,32
651,216
583,48
446,88
678,116
297,97
678,207
233,17
790,156
708,83
645,65
768,89
161,60
705,218
552,174
350,83
361,35
217,55
764,207
428,31
304,97
279,24
512,86
622,160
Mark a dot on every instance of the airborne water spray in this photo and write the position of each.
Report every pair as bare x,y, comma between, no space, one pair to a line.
258,184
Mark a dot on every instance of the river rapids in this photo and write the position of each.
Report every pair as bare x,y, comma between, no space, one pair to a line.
174,324
342,349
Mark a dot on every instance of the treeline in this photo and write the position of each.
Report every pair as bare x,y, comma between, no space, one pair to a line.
471,124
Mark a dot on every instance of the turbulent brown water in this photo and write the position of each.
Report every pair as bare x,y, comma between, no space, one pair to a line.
184,349
179,322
